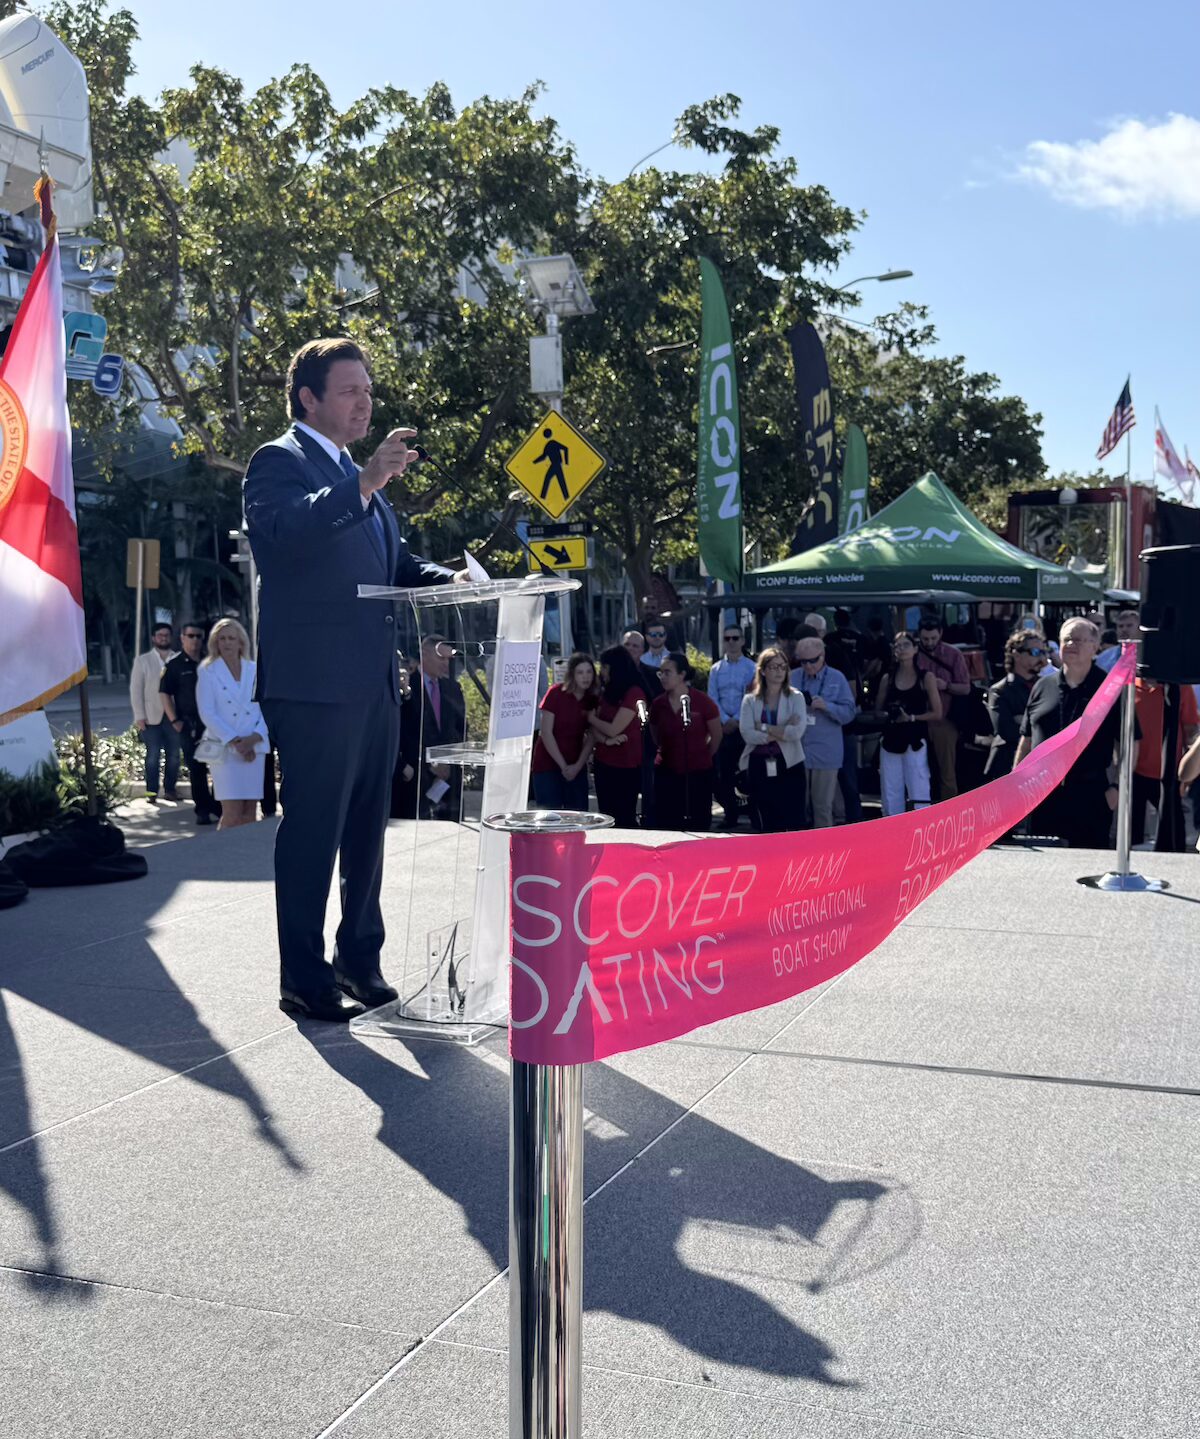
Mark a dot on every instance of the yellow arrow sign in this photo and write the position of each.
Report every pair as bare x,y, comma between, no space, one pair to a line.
570,553
554,464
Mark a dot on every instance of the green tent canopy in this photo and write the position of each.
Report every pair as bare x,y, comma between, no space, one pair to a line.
925,540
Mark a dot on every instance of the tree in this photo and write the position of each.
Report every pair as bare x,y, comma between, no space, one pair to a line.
921,411
632,367
242,251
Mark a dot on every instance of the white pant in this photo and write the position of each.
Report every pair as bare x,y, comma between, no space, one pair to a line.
904,772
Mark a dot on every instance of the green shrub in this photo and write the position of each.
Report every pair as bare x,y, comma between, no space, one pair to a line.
701,663
111,763
29,804
55,793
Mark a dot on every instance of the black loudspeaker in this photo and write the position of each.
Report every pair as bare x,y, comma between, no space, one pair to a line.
1170,648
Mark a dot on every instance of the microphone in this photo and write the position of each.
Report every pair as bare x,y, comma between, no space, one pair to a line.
685,709
643,712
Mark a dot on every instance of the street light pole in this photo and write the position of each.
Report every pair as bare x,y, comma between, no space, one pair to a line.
887,275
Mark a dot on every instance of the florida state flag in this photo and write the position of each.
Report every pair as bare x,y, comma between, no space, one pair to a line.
42,650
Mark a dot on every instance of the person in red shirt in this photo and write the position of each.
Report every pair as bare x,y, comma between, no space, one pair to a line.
687,727
1149,704
616,727
564,742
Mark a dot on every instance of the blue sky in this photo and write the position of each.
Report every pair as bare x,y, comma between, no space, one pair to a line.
1036,165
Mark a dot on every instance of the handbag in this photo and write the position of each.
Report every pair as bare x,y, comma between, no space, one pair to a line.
209,750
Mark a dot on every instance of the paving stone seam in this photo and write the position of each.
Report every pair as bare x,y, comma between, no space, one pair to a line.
306,1317
417,1347
143,1089
365,1396
915,1064
714,1386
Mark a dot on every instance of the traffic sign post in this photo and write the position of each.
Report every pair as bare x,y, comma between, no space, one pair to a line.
554,464
142,559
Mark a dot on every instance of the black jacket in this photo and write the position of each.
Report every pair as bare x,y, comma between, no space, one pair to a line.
1006,702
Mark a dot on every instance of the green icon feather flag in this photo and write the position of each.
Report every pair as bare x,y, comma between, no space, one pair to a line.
718,470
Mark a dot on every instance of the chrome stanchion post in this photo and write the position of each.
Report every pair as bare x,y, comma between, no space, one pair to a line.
1121,878
1125,784
545,1216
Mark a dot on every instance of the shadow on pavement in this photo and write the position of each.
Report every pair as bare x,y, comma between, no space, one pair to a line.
452,1127
137,1007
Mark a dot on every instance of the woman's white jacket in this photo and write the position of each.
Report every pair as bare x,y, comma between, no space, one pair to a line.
791,707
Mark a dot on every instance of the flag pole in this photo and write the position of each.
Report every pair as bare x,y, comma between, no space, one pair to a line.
1129,509
89,768
43,193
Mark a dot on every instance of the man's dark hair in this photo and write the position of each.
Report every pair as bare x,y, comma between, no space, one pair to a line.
195,625
310,366
930,622
162,625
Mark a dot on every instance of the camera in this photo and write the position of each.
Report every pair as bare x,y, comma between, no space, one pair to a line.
894,713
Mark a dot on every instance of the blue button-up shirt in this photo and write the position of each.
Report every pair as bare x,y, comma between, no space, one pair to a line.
823,737
728,681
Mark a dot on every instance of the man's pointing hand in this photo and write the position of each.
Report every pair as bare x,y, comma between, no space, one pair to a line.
391,458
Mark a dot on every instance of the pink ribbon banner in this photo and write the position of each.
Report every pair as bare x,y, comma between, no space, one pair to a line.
618,946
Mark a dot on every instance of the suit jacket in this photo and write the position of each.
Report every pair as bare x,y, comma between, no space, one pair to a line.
424,730
314,543
1006,702
419,729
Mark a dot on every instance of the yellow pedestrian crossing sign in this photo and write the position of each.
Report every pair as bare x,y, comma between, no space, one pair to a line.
568,553
555,464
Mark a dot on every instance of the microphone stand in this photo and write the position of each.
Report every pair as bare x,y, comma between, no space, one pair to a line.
685,714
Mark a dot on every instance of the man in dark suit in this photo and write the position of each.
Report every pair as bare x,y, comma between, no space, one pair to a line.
433,713
327,670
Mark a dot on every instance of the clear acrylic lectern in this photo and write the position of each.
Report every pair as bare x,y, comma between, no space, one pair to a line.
447,947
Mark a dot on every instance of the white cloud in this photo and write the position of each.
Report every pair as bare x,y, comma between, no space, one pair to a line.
1138,169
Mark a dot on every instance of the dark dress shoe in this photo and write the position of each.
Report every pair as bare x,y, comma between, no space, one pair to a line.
204,819
372,993
329,1006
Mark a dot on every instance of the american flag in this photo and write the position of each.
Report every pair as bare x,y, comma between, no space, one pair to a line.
1120,421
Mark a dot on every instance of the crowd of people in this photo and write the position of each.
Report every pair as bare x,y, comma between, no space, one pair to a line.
775,742
779,741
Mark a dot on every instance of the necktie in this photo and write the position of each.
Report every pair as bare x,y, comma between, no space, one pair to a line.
435,700
375,521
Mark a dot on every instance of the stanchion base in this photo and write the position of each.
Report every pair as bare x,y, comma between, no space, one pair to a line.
390,1021
1113,882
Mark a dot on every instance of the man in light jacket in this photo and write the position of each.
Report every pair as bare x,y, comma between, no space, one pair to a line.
148,715
830,705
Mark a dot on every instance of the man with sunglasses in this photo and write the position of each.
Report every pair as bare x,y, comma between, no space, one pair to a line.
1025,656
830,706
656,644
728,680
178,690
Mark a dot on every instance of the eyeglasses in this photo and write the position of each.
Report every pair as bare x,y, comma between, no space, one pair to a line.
656,634
192,635
1037,654
729,639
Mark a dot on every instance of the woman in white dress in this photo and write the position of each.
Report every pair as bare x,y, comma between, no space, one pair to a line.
232,718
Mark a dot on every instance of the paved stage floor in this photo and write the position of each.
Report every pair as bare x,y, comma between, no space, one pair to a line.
951,1193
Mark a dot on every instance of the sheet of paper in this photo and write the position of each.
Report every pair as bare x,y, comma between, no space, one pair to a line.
476,571
436,791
